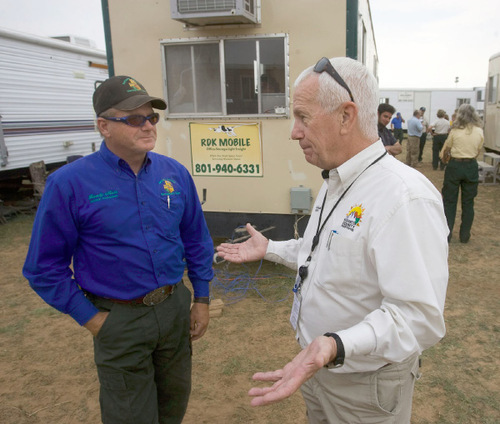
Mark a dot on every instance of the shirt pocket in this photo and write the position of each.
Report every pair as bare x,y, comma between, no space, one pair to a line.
171,210
340,265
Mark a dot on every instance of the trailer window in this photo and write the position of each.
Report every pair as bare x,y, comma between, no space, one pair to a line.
492,88
244,76
461,102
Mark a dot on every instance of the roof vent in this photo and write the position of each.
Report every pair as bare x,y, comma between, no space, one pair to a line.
79,41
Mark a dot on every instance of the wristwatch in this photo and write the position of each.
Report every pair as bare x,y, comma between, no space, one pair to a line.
338,361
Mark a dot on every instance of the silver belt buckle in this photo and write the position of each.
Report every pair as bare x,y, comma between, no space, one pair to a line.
158,295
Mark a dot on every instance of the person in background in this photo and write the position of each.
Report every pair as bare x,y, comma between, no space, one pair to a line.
415,129
453,117
129,221
423,136
465,142
439,130
397,127
361,321
385,112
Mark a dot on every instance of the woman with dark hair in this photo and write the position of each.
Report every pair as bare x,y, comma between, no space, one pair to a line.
464,142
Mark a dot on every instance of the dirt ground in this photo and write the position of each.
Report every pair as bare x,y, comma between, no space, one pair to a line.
47,373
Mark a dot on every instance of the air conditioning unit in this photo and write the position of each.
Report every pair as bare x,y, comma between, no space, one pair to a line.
215,12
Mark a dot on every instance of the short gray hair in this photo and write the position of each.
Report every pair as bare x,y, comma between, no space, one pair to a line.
364,88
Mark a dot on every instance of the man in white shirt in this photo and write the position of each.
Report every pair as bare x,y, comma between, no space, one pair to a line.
372,265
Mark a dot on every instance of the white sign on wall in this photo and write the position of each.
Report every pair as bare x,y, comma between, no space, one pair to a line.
405,96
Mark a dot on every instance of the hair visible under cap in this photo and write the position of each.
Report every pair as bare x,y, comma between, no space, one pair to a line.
364,88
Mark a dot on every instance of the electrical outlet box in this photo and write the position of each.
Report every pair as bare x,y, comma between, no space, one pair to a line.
300,200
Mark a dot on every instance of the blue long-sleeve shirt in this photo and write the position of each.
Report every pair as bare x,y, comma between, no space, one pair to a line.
125,234
415,127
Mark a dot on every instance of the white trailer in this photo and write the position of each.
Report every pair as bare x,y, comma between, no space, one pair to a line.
46,101
492,116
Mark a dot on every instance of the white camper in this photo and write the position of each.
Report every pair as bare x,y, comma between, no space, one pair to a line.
46,100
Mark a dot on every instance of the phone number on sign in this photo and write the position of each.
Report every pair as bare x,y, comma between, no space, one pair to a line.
202,168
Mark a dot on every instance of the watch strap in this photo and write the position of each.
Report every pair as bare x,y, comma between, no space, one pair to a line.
338,361
205,300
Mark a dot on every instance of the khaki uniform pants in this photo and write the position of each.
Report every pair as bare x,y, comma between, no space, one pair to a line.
378,397
412,149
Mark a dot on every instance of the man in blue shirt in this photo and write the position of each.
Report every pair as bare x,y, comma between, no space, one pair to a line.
130,221
397,126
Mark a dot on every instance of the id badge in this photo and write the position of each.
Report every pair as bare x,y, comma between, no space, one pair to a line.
294,316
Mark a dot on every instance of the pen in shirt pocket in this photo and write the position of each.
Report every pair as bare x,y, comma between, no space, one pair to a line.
330,236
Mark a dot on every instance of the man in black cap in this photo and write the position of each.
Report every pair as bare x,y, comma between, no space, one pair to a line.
130,221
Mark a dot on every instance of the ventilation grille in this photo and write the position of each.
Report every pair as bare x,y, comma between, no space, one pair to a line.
190,6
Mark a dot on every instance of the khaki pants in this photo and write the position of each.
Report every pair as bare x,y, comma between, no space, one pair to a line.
412,149
383,396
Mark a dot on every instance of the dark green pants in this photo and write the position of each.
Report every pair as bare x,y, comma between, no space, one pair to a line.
460,176
437,144
423,138
398,134
143,358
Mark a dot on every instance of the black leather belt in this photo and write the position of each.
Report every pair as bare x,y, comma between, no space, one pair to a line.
463,159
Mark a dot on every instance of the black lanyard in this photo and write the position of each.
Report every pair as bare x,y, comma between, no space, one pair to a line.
303,269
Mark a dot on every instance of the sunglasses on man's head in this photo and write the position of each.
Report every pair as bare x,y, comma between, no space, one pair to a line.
135,120
324,65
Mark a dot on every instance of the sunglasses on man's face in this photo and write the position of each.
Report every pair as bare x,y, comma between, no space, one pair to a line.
324,65
135,120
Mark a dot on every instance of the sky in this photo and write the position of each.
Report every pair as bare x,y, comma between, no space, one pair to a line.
420,44
428,43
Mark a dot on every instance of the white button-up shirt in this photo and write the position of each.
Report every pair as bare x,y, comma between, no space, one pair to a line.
379,273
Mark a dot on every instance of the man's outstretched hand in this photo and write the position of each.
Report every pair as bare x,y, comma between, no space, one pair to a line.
254,249
289,379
